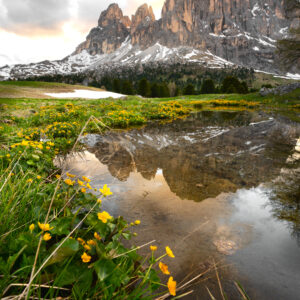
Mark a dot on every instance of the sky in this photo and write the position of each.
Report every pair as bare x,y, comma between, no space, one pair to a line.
36,30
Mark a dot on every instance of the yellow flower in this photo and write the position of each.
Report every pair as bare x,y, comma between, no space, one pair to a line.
97,236
86,179
69,181
137,222
45,227
70,175
164,268
29,180
40,146
38,177
91,242
153,248
85,258
81,183
99,201
81,241
87,247
57,176
83,190
25,143
104,216
47,236
172,286
7,155
31,227
89,186
105,191
169,252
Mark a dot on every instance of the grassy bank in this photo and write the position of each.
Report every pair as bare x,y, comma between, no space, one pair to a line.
56,241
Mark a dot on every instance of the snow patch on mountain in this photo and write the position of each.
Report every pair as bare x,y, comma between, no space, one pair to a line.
125,55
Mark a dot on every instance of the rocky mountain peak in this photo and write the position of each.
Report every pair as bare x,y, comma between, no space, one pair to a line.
232,32
112,30
112,15
143,17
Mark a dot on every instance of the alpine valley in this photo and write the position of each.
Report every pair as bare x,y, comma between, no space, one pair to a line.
208,34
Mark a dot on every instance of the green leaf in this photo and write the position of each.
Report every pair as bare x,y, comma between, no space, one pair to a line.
126,236
30,162
69,248
35,157
104,268
154,280
62,226
12,259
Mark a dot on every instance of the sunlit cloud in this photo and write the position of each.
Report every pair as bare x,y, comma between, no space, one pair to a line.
35,30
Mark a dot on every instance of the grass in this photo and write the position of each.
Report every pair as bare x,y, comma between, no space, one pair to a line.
36,89
51,263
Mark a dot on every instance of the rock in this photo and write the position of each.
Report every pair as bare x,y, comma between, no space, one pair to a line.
241,31
297,148
265,91
226,247
112,30
281,90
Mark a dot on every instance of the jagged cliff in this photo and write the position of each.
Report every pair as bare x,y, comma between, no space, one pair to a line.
241,31
210,33
112,30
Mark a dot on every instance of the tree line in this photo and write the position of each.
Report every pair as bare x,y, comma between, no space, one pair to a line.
145,88
153,89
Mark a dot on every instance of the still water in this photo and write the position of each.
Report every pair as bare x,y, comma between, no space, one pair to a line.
217,187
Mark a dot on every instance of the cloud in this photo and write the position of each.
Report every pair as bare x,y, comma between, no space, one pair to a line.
40,17
34,16
35,30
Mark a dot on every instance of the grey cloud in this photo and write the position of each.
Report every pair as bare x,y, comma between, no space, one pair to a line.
40,17
24,15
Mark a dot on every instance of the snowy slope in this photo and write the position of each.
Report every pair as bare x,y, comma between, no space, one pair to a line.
126,55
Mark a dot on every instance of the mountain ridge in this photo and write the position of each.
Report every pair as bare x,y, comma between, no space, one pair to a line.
224,33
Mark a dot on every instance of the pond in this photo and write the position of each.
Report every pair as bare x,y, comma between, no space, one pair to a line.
218,187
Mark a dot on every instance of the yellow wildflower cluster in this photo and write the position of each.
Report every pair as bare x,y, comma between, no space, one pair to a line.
165,269
32,144
169,110
222,102
125,118
46,236
61,129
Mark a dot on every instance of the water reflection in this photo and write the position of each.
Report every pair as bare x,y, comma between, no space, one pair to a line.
156,170
204,155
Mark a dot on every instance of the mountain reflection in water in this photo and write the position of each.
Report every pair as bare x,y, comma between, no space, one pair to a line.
203,155
155,171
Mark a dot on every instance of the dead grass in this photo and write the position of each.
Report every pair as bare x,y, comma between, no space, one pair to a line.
23,89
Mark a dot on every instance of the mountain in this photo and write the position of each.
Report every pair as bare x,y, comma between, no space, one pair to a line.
211,33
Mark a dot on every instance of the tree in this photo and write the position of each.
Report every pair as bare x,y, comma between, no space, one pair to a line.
144,88
189,90
127,88
164,91
154,90
208,87
231,84
116,85
244,88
